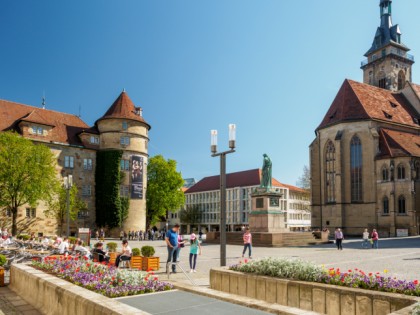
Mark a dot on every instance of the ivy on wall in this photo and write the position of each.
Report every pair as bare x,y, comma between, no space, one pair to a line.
111,209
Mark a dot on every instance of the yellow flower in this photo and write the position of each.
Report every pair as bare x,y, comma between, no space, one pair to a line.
386,271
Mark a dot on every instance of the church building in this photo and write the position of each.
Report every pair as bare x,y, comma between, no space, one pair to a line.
76,146
365,160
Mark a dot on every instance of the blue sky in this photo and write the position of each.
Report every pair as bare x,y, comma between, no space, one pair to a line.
272,67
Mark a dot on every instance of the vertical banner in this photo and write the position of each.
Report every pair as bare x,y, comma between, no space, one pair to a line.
136,177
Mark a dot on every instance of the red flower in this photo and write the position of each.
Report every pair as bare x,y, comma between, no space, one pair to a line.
150,269
156,278
416,282
350,271
88,265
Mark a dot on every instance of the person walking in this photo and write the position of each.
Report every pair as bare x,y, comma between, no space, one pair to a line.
171,240
247,242
339,239
195,249
375,239
365,243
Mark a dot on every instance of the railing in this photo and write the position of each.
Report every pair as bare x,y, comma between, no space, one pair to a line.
392,51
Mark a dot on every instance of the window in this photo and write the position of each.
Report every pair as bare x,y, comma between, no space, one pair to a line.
87,164
124,125
356,169
124,191
401,80
330,171
28,212
125,165
382,83
94,140
125,140
399,38
385,205
8,212
383,52
86,190
82,214
37,130
401,172
385,174
401,205
69,162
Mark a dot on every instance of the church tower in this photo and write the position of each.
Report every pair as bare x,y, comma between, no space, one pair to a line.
388,65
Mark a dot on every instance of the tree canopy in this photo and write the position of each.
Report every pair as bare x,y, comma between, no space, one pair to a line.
304,180
164,191
190,215
27,174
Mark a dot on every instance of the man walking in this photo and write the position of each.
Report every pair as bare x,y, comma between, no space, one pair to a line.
339,239
365,243
172,246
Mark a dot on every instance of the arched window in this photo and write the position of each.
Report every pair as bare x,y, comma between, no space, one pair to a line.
401,172
330,171
401,80
385,174
401,205
356,165
385,205
382,80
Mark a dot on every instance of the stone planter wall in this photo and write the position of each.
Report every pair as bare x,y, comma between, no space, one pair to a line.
54,296
320,298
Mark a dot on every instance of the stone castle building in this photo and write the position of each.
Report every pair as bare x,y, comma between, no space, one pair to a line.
75,145
365,160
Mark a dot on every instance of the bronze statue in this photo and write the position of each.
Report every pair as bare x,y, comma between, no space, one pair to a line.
266,173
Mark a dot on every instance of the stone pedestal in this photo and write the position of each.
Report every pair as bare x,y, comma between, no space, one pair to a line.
266,215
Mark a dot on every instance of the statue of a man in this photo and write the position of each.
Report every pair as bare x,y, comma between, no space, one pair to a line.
266,173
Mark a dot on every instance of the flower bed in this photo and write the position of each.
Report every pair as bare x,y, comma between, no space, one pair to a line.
305,271
101,278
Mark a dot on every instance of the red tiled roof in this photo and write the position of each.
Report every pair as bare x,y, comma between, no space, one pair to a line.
396,143
239,179
66,126
124,108
359,101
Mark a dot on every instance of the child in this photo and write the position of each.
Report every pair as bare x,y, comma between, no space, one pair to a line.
247,242
194,250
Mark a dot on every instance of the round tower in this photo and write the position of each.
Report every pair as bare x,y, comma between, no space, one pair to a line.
124,128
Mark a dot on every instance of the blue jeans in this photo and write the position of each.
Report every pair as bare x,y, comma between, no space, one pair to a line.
172,256
178,251
375,244
249,246
365,244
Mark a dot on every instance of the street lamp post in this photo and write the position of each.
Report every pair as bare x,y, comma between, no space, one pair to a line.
232,142
68,183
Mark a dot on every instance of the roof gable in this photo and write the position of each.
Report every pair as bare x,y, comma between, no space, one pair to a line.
396,143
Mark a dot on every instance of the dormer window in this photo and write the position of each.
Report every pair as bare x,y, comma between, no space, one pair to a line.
399,38
37,130
139,111
387,116
124,125
94,140
393,105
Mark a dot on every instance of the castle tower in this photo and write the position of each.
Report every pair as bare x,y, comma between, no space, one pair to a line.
124,128
388,65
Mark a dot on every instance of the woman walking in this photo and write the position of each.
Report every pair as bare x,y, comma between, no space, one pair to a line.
247,242
194,250
339,239
365,243
375,239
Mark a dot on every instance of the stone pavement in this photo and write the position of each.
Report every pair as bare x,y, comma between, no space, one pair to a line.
12,304
401,257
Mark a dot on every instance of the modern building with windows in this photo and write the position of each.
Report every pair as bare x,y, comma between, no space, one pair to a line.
205,196
75,145
365,160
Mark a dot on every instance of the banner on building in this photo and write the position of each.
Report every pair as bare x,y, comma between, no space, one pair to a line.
136,177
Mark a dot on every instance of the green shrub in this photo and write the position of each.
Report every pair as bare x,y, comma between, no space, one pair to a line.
136,252
282,268
2,260
112,247
72,240
23,237
147,251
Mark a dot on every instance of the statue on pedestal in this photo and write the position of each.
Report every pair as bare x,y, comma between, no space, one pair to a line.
266,178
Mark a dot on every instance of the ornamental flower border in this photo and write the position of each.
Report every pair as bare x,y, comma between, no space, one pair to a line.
102,278
293,269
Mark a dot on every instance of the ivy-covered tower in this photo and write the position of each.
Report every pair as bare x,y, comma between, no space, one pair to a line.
388,64
123,140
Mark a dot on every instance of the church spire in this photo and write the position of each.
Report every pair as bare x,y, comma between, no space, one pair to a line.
388,64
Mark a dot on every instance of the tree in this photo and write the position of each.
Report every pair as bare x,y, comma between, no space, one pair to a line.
304,180
27,173
57,207
190,215
163,188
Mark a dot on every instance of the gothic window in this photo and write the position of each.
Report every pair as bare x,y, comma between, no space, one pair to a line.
401,205
401,80
330,171
356,164
401,172
385,205
382,83
385,174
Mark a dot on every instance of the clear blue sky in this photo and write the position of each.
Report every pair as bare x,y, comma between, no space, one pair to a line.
272,67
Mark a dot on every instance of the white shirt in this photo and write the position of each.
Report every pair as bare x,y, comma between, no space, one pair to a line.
63,247
365,235
45,241
127,251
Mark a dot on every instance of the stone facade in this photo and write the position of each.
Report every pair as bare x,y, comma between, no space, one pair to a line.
75,145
